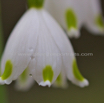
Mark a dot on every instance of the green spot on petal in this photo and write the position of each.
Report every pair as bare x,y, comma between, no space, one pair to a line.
23,76
76,72
48,73
71,19
99,21
35,3
8,70
59,79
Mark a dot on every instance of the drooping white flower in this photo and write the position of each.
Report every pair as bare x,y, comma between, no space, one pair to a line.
72,14
68,15
93,16
39,44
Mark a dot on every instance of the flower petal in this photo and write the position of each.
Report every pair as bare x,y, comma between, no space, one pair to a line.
20,47
66,49
45,65
25,81
93,16
67,13
61,81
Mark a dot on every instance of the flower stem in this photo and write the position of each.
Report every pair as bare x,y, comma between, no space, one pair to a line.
35,3
3,96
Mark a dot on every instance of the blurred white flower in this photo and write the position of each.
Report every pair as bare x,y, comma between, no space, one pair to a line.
72,14
39,44
93,16
67,13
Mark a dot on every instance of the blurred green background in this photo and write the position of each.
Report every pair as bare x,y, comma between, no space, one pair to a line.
91,67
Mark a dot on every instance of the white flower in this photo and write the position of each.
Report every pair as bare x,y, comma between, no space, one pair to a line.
39,44
67,13
93,16
72,14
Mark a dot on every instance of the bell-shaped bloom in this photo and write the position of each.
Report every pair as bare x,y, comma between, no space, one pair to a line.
72,14
39,44
93,16
67,13
24,81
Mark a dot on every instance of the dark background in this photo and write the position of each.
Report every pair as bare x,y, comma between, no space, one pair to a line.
92,67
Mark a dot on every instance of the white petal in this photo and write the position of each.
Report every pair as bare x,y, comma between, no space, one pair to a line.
73,33
58,9
93,16
47,83
24,86
65,47
46,54
21,44
61,81
25,81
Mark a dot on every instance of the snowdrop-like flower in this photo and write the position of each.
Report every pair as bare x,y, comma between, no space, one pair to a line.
93,16
67,13
72,14
39,44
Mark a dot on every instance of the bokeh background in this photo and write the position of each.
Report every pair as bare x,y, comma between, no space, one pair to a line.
92,67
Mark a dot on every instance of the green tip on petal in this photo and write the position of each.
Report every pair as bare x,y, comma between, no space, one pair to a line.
48,73
59,79
76,72
71,19
99,21
8,70
23,76
35,3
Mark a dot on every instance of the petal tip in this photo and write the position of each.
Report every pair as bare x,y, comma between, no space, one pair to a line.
47,83
86,82
73,33
21,87
81,84
63,86
1,81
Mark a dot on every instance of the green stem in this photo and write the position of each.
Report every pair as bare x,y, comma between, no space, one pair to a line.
3,96
35,3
